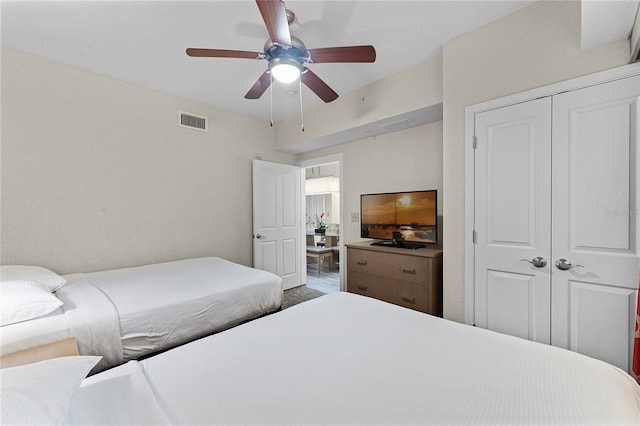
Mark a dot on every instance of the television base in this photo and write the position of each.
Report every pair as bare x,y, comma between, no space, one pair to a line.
411,245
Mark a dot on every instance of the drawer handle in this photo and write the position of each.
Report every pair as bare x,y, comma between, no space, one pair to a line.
362,287
362,262
412,300
409,270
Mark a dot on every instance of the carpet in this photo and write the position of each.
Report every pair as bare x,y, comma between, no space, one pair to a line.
300,294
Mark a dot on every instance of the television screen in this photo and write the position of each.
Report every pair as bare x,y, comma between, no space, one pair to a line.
401,216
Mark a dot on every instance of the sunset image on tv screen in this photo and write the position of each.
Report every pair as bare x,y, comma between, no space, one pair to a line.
408,216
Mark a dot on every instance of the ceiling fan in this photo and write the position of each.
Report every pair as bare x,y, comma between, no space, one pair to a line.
287,55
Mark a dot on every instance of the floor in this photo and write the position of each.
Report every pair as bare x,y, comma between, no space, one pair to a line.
300,294
327,281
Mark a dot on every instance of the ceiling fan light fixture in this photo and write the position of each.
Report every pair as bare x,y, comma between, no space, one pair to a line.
285,70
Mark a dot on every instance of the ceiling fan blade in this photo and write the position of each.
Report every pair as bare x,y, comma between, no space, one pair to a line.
318,86
274,15
343,54
259,87
223,53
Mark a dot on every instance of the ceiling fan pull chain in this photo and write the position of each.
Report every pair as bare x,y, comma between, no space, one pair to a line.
271,100
301,110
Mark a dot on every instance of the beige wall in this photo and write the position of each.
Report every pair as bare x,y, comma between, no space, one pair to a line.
533,47
416,87
97,174
406,160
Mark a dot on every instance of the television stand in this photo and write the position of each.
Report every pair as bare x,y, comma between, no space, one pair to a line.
409,278
411,245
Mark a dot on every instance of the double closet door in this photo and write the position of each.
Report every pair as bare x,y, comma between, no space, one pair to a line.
556,219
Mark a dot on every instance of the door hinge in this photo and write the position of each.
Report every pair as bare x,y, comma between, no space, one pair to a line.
475,142
475,237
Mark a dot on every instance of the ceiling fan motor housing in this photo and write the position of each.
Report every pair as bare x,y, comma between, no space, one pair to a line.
297,51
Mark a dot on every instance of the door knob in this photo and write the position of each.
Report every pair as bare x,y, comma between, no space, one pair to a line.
565,265
260,237
538,262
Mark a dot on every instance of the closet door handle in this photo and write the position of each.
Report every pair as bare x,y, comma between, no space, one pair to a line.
409,270
565,265
362,262
538,262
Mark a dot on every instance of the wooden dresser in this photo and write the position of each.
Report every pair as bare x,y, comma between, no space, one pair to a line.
409,278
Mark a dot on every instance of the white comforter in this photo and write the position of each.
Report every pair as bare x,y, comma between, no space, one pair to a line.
347,359
128,313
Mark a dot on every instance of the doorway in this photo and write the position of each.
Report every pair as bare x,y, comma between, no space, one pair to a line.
322,220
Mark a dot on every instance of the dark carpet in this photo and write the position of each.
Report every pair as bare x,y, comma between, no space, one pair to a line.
296,295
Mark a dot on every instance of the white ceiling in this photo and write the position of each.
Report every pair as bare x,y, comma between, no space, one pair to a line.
144,42
606,21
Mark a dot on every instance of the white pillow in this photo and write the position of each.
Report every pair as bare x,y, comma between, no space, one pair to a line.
24,300
38,274
41,393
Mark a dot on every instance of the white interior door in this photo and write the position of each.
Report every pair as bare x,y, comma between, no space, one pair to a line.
595,219
512,220
277,221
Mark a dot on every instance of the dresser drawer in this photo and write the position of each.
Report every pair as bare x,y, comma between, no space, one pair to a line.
369,262
412,296
411,269
367,285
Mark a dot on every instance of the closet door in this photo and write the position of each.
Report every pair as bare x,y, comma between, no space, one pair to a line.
595,219
512,219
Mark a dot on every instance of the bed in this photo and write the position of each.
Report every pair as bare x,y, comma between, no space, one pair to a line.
130,313
341,359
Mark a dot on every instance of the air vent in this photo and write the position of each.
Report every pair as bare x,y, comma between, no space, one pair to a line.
193,121
405,123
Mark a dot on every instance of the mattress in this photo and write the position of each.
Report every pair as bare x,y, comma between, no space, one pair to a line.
348,359
163,305
38,331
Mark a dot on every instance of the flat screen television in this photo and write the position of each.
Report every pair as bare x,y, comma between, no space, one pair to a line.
400,219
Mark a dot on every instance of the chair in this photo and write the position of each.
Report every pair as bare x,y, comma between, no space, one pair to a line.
321,253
